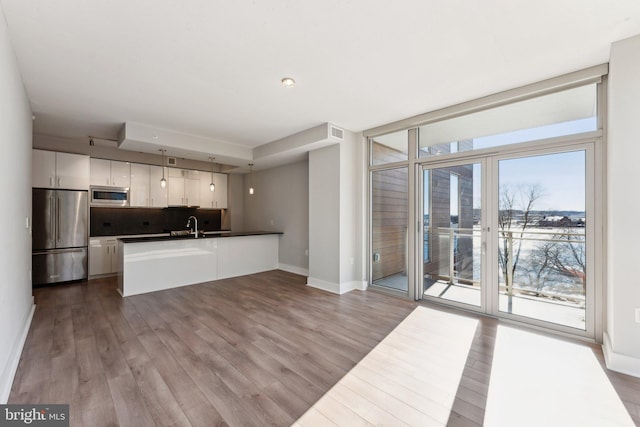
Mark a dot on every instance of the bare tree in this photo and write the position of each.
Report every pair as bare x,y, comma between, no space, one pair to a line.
568,257
514,217
539,268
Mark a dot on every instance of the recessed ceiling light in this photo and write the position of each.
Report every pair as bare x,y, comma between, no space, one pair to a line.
288,82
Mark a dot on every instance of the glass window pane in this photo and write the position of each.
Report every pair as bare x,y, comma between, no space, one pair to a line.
563,113
390,220
393,147
541,238
452,233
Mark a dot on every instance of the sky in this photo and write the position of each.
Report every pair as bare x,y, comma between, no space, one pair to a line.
560,176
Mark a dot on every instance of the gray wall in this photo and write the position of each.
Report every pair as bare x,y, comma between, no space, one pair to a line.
324,214
16,299
280,203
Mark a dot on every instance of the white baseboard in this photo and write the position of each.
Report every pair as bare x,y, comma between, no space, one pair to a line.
336,288
293,269
619,362
6,381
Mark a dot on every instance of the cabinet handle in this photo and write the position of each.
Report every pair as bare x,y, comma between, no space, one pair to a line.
107,181
107,249
59,182
50,181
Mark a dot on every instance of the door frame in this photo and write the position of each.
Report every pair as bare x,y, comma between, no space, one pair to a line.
419,283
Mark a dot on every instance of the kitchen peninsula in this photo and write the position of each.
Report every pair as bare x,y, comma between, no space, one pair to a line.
149,264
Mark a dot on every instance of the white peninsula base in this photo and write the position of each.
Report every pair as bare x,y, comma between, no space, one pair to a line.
148,265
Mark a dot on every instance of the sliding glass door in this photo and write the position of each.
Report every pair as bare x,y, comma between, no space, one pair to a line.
452,233
541,238
508,235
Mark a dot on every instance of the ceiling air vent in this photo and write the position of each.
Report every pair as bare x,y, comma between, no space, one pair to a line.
171,161
337,133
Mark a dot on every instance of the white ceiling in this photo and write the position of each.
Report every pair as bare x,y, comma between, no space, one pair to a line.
212,68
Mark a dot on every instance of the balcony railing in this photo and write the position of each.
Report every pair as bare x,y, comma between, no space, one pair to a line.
549,263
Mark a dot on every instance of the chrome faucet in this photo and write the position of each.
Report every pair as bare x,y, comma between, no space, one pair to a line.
195,220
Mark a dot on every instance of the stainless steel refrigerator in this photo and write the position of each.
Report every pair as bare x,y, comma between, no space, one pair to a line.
59,237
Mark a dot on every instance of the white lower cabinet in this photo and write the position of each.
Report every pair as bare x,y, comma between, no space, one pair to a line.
103,255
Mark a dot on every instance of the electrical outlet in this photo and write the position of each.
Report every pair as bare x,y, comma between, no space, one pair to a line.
637,315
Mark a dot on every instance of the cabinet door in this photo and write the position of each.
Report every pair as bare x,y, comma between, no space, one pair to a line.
192,192
100,172
221,190
139,190
157,194
207,197
175,187
72,171
113,249
43,168
99,257
120,172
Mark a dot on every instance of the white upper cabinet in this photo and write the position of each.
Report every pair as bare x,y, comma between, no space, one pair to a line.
192,192
60,170
157,194
100,172
139,194
120,174
44,169
175,187
213,199
206,195
220,195
110,173
184,187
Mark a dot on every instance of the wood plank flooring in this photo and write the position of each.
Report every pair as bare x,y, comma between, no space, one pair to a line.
254,350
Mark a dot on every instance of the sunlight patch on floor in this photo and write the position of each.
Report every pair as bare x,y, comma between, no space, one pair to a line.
411,377
541,381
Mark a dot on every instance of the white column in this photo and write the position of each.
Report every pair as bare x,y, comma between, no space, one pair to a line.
622,332
334,197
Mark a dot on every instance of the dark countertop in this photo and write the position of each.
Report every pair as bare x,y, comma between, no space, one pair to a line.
205,236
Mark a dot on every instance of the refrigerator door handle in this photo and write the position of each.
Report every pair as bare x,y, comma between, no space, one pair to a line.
52,216
58,219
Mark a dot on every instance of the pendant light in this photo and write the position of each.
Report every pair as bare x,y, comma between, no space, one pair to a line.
251,176
163,182
212,186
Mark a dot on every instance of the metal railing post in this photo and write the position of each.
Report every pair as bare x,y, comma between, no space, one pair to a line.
451,256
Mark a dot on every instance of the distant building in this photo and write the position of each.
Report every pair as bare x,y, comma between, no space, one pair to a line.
560,222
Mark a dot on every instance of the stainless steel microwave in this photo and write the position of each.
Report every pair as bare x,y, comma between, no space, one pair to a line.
109,196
